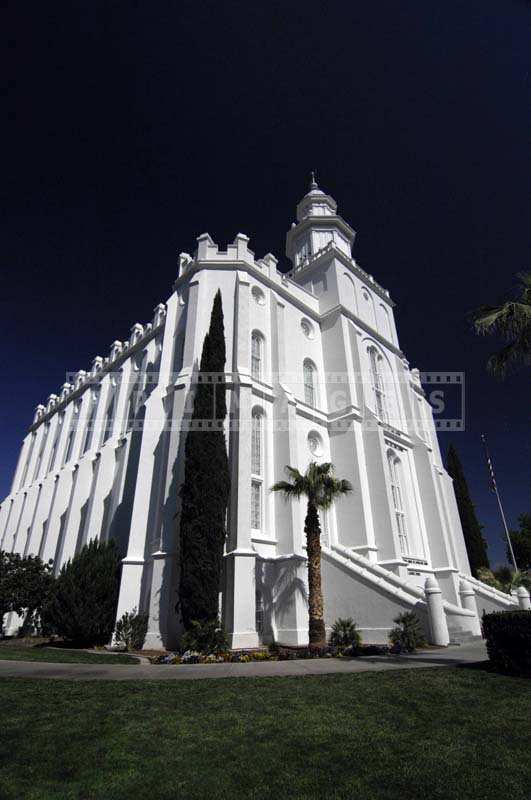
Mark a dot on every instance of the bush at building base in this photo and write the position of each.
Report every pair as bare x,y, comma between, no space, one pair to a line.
345,633
82,603
408,634
131,630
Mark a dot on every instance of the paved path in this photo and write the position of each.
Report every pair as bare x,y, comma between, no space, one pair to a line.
450,656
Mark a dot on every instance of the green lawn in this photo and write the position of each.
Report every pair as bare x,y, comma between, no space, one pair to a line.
60,656
442,734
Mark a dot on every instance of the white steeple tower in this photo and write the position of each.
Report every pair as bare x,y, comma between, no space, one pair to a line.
318,225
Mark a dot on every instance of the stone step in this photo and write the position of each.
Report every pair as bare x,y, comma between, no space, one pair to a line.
463,637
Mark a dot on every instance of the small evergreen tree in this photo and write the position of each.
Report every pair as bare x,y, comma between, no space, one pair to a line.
476,546
82,604
206,485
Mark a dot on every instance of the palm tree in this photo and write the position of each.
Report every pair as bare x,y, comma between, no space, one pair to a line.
511,321
321,488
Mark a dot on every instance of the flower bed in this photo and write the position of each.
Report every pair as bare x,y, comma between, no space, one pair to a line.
275,653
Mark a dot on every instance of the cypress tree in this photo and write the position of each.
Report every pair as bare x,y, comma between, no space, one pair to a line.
476,546
206,485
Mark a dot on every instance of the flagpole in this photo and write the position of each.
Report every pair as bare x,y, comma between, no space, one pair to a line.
495,489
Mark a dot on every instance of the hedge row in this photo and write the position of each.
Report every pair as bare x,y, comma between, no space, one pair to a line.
508,637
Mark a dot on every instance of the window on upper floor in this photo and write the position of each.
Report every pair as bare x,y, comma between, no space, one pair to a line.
395,476
257,460
257,356
378,384
256,444
309,373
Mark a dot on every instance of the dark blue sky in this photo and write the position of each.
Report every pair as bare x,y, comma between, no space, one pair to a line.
134,127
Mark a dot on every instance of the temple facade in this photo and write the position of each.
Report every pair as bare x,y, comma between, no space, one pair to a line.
314,372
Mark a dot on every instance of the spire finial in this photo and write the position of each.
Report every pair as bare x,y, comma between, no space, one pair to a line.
313,182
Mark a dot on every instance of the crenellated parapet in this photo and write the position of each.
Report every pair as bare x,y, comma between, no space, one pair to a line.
238,252
139,336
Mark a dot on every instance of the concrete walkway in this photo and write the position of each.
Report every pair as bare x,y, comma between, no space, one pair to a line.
450,656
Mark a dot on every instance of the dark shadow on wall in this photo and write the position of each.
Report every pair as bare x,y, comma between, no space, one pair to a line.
120,524
170,515
278,586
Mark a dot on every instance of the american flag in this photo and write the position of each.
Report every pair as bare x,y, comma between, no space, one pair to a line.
489,465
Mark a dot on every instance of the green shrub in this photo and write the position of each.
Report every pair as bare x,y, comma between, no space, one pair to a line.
25,583
345,633
408,632
82,603
131,630
205,637
508,637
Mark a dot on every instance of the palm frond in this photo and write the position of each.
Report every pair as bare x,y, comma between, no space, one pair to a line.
511,321
500,363
295,474
525,278
287,488
326,468
318,484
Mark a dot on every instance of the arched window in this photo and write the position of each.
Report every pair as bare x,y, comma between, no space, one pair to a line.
395,469
309,383
257,348
257,459
256,444
350,293
377,383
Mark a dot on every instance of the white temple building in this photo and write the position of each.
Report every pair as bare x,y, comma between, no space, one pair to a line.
314,372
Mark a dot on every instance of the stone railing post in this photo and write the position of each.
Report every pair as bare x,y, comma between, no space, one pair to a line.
523,598
436,615
468,601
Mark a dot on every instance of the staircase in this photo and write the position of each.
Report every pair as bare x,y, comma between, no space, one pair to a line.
358,587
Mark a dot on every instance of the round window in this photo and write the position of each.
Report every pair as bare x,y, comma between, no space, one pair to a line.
307,328
315,443
258,295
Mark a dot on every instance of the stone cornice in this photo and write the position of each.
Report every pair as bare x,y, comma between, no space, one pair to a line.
281,287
